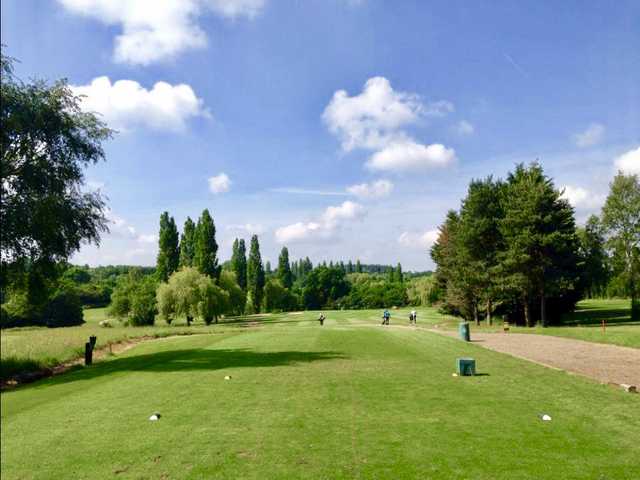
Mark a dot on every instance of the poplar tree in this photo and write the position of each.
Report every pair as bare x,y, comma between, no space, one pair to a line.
168,253
399,277
239,263
255,276
205,257
284,268
358,267
187,243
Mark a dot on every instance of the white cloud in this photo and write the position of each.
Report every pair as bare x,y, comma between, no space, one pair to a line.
220,183
125,104
593,135
411,156
464,128
248,228
375,120
629,162
148,238
581,198
296,231
575,195
377,189
306,191
420,241
119,227
155,30
325,227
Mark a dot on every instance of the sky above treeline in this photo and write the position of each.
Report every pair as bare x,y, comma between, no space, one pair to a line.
342,129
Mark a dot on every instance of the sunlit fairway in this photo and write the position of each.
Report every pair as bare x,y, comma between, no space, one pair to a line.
347,400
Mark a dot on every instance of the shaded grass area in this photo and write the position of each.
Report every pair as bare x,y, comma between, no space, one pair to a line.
585,323
341,401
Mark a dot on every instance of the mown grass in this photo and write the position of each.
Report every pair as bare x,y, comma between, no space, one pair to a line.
349,400
29,349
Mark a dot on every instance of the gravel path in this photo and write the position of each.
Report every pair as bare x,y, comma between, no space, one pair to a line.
605,363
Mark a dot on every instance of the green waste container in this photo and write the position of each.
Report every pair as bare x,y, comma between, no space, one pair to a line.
463,331
466,367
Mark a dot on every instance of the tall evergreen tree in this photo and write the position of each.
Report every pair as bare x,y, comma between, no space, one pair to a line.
267,269
358,266
239,263
187,243
540,238
206,248
350,267
168,253
284,268
255,276
593,252
481,240
621,220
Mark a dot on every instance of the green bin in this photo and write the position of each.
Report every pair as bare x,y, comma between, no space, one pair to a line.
466,367
463,331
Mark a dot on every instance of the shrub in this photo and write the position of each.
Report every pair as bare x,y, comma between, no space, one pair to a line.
63,309
143,303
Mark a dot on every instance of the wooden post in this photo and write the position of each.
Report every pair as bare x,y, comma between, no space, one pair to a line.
604,326
88,354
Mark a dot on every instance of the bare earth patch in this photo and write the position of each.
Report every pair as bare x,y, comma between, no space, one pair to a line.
602,362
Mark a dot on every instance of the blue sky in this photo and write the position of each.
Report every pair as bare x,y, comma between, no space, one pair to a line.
340,128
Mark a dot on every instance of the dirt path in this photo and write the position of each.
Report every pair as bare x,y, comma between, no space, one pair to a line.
605,363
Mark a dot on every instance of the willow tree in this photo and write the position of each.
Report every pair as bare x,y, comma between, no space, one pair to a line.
46,143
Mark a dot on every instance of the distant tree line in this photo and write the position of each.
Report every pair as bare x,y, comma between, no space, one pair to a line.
513,249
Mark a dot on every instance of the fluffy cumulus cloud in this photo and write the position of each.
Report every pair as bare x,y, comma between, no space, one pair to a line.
219,183
376,120
629,162
377,189
581,198
593,135
159,29
330,221
125,104
411,156
422,241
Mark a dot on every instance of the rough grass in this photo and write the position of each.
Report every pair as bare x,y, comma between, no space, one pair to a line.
349,400
33,348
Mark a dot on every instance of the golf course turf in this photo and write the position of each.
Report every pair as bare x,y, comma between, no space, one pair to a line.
347,400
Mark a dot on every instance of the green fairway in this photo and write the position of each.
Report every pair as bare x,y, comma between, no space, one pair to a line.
28,349
347,400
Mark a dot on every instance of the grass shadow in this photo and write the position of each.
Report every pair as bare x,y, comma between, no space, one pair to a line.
594,315
189,360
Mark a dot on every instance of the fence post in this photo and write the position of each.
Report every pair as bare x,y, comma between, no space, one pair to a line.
88,354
